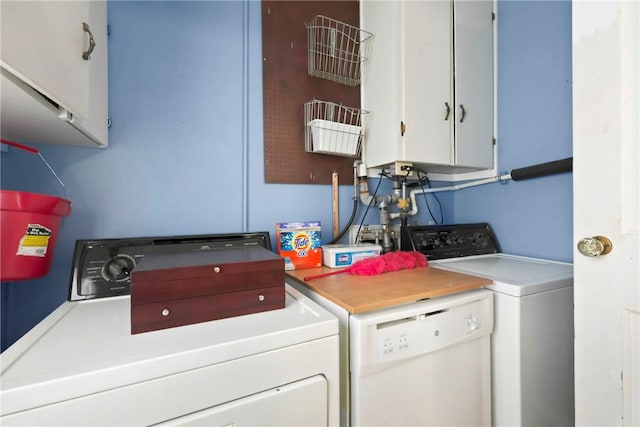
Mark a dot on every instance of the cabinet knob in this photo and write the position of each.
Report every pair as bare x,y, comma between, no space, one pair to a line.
92,43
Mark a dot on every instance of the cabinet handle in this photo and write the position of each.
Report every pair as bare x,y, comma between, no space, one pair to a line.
463,113
446,104
92,44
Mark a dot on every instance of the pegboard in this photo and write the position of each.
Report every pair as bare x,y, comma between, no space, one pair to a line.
287,86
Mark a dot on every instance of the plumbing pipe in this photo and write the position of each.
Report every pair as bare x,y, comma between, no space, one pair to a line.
336,204
413,193
399,191
354,210
528,172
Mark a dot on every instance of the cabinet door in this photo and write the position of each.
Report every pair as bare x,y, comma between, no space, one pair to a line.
50,94
42,44
408,81
428,85
381,86
94,124
474,83
430,61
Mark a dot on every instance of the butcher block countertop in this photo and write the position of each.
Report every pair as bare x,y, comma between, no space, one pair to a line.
358,294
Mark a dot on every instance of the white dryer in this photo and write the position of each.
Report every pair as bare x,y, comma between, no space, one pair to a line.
532,340
82,366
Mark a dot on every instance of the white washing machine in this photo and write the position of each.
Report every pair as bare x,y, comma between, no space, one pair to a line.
532,340
82,366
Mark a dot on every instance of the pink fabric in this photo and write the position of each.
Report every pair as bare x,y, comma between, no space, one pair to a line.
392,261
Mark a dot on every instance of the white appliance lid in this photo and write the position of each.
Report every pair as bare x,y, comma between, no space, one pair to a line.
86,347
511,274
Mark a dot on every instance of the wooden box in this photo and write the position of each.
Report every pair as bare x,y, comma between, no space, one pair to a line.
177,289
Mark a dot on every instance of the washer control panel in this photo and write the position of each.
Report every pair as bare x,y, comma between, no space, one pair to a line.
449,241
102,268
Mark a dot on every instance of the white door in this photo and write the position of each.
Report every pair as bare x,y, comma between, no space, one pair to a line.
606,47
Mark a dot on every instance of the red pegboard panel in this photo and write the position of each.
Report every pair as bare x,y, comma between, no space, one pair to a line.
287,86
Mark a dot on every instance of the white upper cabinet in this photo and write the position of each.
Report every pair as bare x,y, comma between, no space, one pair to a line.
429,84
54,72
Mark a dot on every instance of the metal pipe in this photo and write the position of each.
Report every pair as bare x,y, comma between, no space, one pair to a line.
529,172
413,193
246,161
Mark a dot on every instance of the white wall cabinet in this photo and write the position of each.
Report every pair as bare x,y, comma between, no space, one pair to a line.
429,84
50,93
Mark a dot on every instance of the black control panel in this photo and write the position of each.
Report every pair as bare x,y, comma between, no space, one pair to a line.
102,268
449,241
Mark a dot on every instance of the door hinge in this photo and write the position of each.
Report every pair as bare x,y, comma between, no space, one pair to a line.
402,128
108,30
493,16
109,122
494,141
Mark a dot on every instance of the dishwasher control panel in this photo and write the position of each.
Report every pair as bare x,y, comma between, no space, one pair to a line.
427,332
449,241
419,328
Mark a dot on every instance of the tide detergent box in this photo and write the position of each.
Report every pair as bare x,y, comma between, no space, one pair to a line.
299,244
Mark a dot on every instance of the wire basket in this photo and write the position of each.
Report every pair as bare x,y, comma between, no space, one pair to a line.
336,50
332,128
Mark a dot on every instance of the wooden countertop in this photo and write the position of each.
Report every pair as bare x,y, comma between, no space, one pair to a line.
358,294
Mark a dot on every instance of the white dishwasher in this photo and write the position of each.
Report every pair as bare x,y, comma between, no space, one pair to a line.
423,364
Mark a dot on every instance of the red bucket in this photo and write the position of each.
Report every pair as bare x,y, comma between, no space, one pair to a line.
29,225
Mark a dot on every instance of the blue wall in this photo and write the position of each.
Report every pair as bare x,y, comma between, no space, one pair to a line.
533,217
186,155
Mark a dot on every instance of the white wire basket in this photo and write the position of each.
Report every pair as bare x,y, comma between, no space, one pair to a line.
336,50
332,128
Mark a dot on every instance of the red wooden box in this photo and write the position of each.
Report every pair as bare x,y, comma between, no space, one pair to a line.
178,289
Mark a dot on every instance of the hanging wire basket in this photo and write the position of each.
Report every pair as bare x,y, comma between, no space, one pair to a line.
336,50
332,128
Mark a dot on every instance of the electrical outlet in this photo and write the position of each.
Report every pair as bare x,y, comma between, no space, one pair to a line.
371,233
400,169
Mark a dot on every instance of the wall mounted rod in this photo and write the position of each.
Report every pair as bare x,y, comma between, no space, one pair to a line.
543,169
521,174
